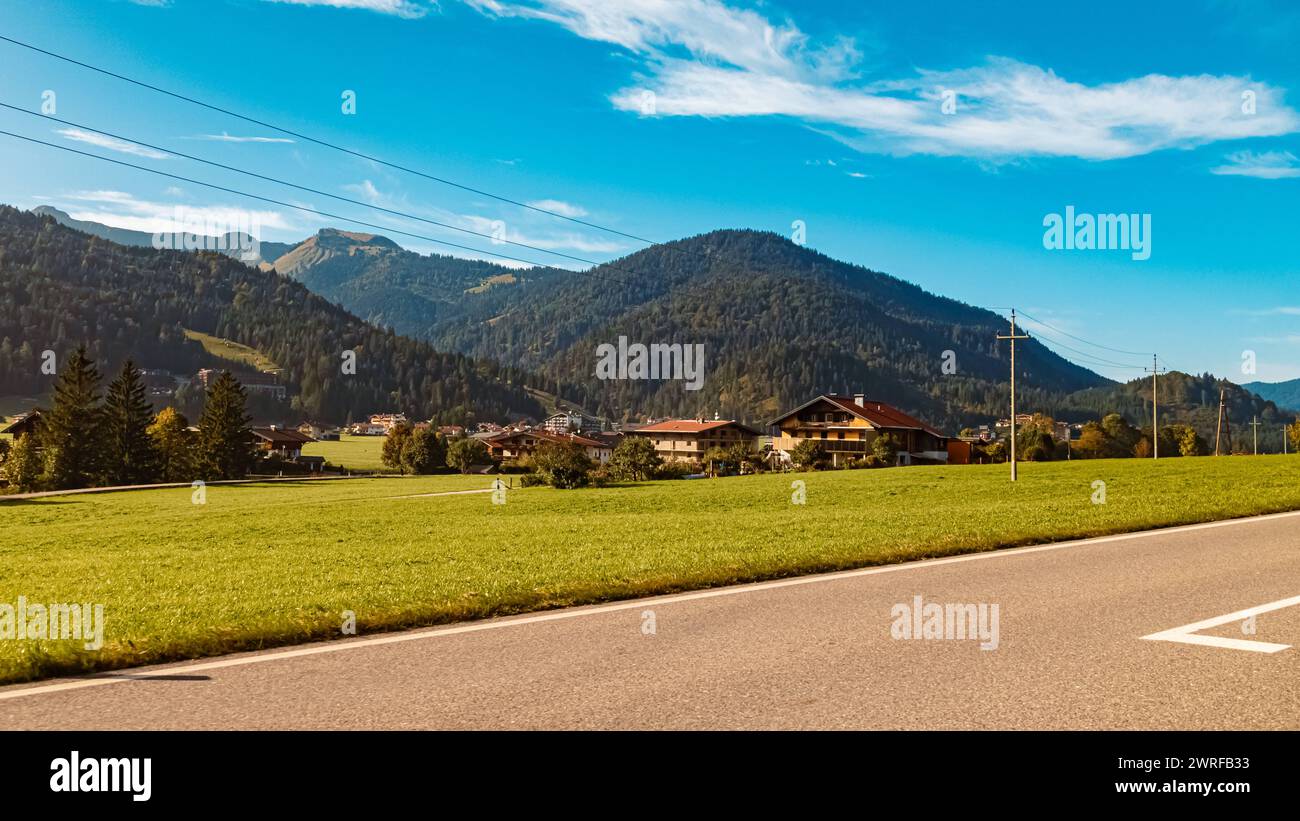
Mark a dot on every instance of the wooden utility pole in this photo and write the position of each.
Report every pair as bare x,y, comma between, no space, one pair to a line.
1013,337
1254,424
1218,428
1155,423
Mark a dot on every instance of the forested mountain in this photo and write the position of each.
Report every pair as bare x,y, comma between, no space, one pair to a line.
231,244
1285,394
779,323
60,287
385,284
1183,399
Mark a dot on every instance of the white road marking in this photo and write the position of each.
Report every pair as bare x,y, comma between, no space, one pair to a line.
19,690
1187,633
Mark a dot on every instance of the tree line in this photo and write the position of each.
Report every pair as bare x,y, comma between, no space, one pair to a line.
85,440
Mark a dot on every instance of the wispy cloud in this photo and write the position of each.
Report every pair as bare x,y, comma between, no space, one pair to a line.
702,58
1281,310
1266,165
399,8
230,138
560,207
120,209
112,144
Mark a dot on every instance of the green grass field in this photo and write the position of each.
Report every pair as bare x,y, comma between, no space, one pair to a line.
351,452
276,563
233,351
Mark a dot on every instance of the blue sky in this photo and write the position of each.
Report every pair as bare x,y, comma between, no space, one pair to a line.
665,119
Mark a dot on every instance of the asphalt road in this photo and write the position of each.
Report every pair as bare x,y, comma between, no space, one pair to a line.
812,652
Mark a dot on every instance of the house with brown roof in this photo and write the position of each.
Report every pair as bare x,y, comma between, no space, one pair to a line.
284,442
517,443
25,424
848,425
686,440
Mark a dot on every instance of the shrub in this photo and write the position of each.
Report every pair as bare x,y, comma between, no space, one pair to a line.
531,480
810,453
562,465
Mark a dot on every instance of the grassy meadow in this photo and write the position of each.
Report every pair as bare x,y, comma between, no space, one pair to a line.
275,563
351,452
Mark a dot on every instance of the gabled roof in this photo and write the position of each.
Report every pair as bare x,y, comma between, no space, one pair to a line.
22,422
878,414
282,436
691,426
542,433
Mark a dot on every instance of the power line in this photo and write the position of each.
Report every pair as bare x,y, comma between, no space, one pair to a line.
336,147
1085,341
1095,359
309,189
298,207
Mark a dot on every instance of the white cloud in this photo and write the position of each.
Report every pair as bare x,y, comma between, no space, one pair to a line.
120,209
400,8
112,144
228,138
703,58
1267,165
560,207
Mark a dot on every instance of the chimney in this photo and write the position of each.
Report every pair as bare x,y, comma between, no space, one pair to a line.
859,399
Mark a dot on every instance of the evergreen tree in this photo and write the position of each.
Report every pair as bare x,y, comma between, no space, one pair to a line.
70,430
174,446
225,442
128,457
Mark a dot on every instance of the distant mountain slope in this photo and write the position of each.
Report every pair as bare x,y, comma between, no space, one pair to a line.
141,239
779,323
1284,394
62,287
383,283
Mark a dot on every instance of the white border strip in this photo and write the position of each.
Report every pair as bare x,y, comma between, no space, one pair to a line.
100,679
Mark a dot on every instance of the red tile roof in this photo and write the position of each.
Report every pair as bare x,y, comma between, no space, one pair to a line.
690,426
877,413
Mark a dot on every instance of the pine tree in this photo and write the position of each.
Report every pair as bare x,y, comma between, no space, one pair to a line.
128,456
225,442
174,446
70,430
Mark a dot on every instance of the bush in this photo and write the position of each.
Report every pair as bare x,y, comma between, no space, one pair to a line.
462,454
520,465
531,480
675,470
563,465
810,454
424,451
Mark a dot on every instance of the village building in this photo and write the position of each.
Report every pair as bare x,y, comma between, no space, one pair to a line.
575,421
514,444
686,440
848,425
282,442
25,424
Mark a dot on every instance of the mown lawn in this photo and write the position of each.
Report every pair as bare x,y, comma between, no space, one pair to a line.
269,564
351,452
